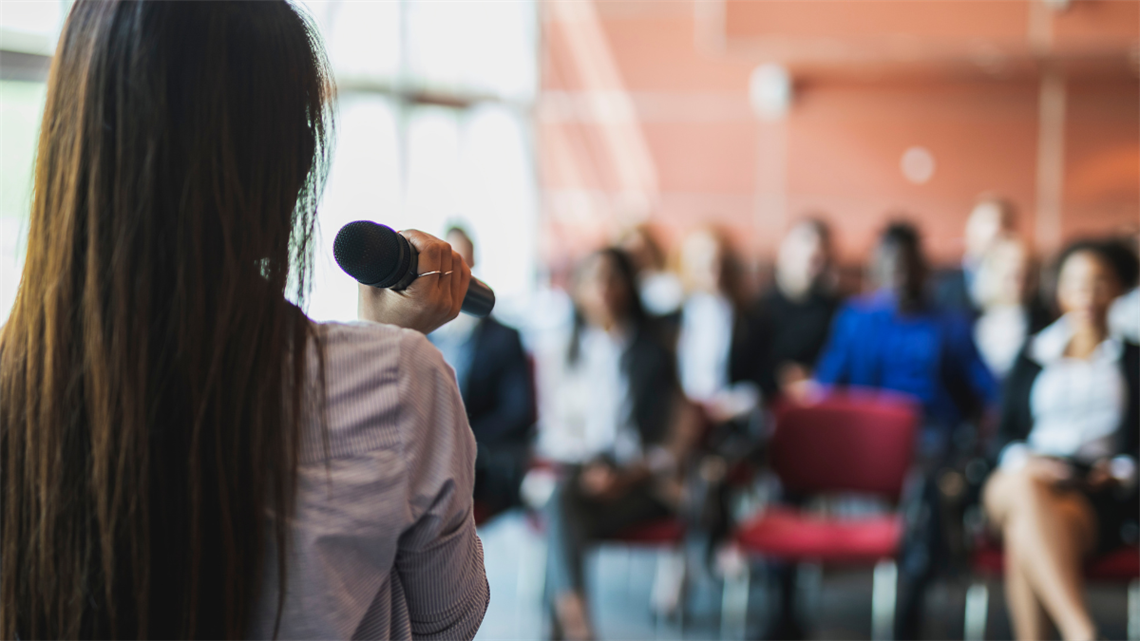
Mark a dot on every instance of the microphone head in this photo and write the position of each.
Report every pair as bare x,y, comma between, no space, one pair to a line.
371,253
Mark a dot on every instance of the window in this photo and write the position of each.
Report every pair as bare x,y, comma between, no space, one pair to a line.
21,106
28,32
432,128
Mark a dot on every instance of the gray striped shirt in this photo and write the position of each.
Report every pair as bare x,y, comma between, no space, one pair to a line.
383,541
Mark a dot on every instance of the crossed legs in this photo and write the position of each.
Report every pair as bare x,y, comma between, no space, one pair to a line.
1047,532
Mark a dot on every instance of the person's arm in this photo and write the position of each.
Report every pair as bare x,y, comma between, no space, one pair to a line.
834,367
514,395
1009,449
440,559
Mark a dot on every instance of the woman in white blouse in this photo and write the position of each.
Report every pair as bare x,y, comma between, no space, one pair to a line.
1065,485
613,415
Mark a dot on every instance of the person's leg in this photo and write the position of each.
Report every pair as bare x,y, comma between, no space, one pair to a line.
1047,533
568,525
782,577
921,541
1025,610
573,522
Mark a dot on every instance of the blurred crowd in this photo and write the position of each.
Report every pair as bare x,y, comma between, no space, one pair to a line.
655,397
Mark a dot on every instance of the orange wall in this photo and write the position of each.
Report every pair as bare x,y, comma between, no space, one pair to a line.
641,117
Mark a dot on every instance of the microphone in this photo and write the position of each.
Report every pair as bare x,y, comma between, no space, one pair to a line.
379,257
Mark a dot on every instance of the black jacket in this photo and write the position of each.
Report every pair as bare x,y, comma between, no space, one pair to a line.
499,392
653,386
1017,416
787,331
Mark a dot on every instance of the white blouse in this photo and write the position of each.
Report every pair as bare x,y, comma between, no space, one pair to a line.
586,410
704,345
1077,404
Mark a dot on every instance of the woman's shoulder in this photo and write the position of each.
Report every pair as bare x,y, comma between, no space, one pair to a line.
375,346
372,374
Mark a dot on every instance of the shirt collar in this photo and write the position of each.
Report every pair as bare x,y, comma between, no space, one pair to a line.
1050,344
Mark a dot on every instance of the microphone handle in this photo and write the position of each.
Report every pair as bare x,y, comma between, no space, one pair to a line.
479,300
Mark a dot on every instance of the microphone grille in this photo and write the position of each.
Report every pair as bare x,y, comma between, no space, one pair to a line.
369,252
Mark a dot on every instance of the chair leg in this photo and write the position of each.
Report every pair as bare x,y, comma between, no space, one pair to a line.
734,604
977,611
1134,610
668,580
883,599
531,587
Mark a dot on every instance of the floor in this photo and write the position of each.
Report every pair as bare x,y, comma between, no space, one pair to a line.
621,580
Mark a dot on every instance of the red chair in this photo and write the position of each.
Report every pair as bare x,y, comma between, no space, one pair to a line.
850,442
988,564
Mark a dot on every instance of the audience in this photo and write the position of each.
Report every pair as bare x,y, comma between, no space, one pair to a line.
615,416
495,381
795,313
992,218
895,340
618,415
1065,485
1009,309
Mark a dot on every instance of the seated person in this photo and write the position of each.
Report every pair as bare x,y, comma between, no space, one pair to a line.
1065,485
991,219
795,314
895,340
715,358
1009,309
495,382
613,413
793,320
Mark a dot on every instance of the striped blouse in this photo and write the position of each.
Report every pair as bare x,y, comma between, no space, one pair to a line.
383,541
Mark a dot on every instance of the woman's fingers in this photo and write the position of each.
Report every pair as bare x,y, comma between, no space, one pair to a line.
459,280
432,299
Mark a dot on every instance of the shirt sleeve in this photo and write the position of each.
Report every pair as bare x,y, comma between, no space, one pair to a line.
440,557
834,367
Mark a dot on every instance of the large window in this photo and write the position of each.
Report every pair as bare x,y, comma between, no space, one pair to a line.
432,128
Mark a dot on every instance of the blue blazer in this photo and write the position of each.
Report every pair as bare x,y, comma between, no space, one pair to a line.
929,354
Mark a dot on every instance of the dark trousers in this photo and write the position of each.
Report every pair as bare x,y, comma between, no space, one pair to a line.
499,471
573,521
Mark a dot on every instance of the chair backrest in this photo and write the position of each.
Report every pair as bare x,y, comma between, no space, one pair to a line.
851,441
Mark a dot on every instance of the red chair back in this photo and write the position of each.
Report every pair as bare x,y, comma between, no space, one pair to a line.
851,441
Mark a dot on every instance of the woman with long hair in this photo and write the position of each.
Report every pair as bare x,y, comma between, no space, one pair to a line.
615,418
182,452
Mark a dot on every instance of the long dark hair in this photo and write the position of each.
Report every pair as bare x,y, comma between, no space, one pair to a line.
152,370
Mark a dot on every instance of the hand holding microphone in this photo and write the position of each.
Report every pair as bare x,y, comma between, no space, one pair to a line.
411,279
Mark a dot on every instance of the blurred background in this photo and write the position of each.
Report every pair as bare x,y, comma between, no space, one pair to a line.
547,129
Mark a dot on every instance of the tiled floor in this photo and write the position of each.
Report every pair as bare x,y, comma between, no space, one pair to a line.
621,580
